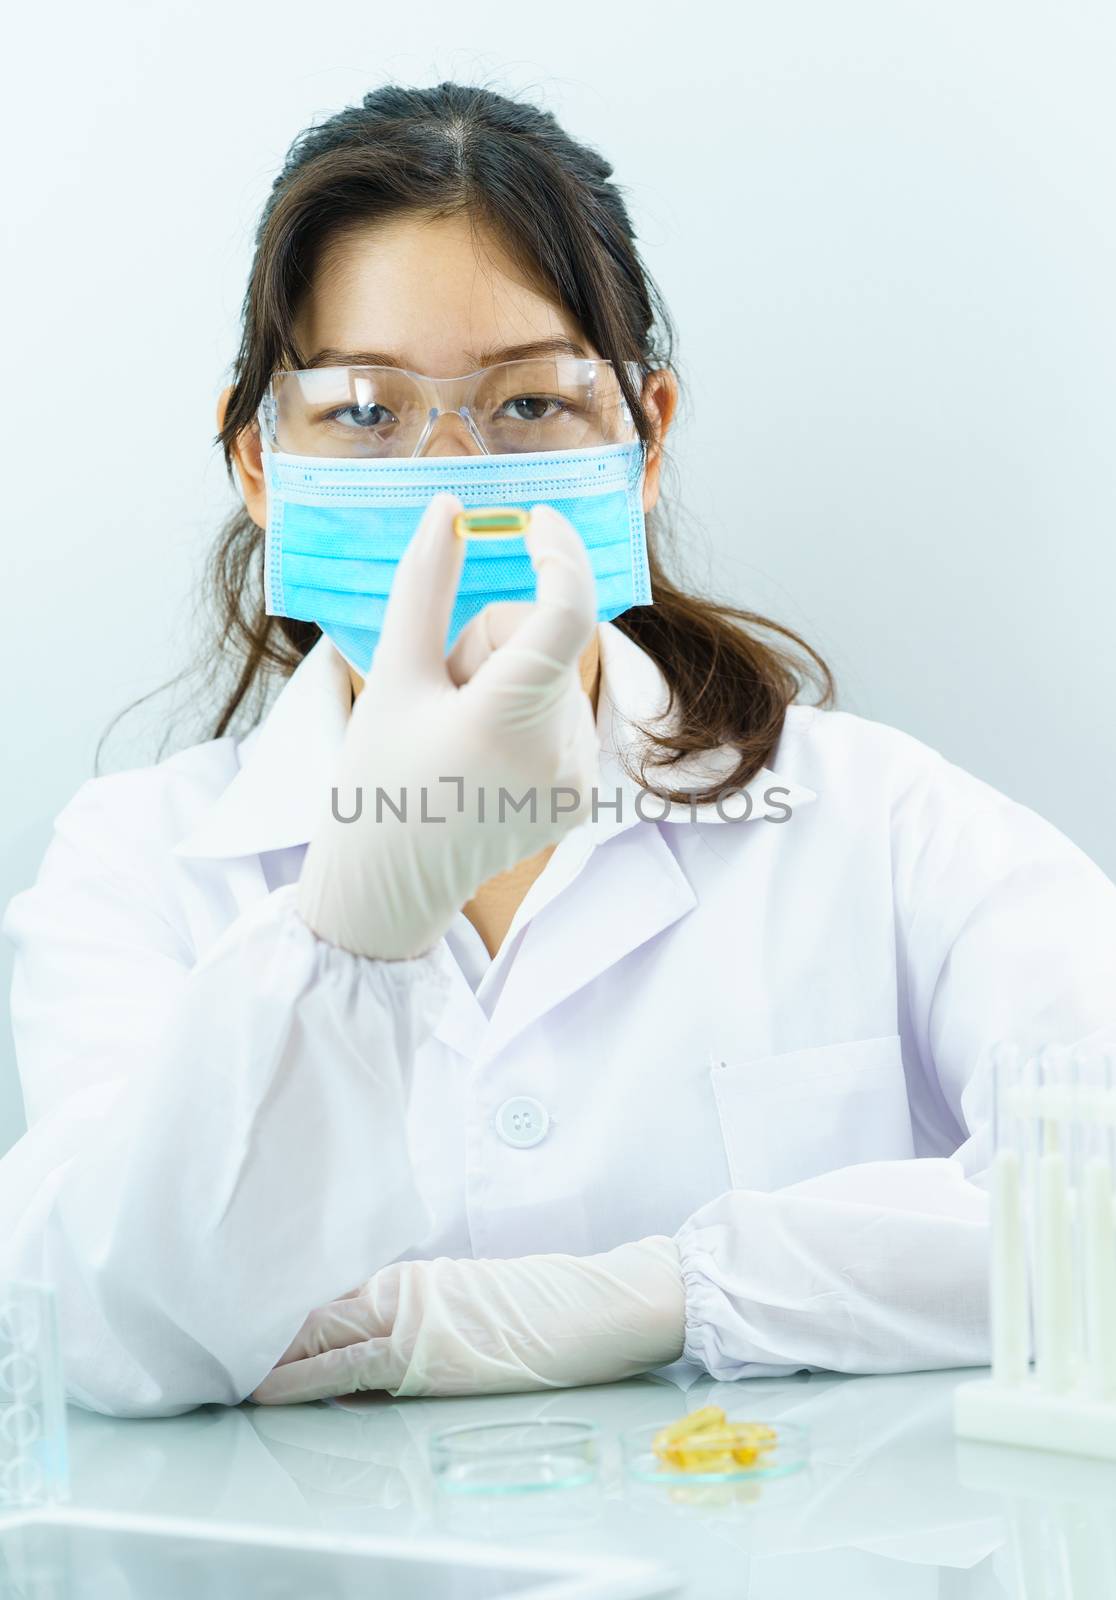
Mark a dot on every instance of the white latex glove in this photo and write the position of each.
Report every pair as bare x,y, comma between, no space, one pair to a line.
490,1327
521,722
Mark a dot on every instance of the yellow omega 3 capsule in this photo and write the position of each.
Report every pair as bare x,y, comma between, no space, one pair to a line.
491,522
752,1439
694,1422
715,1445
686,1460
719,1450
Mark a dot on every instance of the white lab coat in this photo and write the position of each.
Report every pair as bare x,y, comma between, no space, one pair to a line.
766,1038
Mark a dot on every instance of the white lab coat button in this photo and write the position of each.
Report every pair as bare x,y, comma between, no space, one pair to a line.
522,1121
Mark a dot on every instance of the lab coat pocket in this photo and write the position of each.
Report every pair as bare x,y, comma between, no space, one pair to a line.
791,1116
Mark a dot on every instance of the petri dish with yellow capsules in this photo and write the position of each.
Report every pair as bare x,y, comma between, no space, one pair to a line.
706,1446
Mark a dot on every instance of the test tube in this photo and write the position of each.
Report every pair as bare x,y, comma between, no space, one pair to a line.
1098,1226
1008,1281
1073,1072
1054,1354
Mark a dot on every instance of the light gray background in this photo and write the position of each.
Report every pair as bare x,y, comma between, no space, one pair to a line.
887,232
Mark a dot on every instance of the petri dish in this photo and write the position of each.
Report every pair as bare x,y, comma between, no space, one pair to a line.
516,1457
789,1451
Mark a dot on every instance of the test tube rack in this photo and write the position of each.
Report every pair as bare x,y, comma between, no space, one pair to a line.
1053,1257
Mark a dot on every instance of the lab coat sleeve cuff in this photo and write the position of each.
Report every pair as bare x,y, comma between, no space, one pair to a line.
412,991
704,1303
714,1338
876,1267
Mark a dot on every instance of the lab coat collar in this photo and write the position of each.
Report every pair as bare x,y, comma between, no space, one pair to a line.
287,761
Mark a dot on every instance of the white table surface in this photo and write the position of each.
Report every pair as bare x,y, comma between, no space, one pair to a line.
892,1504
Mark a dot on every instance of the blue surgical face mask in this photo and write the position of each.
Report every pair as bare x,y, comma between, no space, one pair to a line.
337,527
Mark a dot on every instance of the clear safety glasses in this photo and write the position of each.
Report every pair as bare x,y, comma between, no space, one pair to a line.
553,403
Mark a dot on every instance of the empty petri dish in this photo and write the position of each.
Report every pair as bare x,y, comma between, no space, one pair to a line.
516,1457
706,1463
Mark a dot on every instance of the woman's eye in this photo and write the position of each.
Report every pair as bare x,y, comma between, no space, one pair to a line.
373,416
533,407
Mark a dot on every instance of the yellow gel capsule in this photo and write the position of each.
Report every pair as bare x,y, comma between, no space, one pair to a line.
707,1461
694,1422
746,1455
717,1442
752,1441
720,1447
720,1436
491,522
717,1447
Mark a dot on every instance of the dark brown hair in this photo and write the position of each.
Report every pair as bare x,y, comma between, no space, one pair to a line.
548,199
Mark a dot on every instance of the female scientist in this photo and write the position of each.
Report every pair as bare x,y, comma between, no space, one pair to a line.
540,993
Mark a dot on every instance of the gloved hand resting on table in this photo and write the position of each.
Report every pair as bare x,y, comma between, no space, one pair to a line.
513,718
488,1327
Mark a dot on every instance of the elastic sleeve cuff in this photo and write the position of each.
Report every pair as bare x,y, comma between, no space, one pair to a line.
700,1298
423,980
715,1338
412,990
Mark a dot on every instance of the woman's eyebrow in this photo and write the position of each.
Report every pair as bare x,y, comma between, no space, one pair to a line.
330,357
